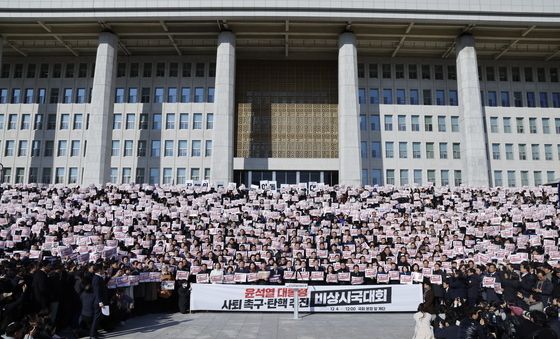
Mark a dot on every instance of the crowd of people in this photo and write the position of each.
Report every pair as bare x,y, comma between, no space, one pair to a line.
78,259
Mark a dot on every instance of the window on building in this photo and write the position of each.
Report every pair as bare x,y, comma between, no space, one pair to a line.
535,152
199,94
386,70
142,145
520,125
147,71
62,146
132,95
172,94
389,152
181,176
373,71
160,69
131,121
492,100
210,121
543,98
401,97
431,174
374,96
438,72
183,147
155,148
403,150
168,148
533,125
415,123
511,178
208,148
401,120
430,150
414,98
195,174
387,96
496,151
361,70
195,150
22,148
390,177
537,177
507,124
158,95
59,175
498,181
200,69
128,148
427,96
156,121
115,148
375,149
412,72
403,177
456,150
75,148
184,121
426,74
509,151
416,153
428,123
399,71
443,150
522,152
170,121
440,97
444,177
185,94
548,152
531,99
187,69
388,122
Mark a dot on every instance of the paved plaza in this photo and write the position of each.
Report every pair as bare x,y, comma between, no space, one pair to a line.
267,325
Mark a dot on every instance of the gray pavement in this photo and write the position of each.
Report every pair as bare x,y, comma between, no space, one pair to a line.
267,325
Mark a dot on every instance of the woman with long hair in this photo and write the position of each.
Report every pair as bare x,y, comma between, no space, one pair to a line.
423,328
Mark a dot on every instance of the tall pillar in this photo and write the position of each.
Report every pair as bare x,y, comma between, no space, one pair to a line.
475,158
350,168
224,110
101,107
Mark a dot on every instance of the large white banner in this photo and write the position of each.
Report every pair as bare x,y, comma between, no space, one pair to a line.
338,298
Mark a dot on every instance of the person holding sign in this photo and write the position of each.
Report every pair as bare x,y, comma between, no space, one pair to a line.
217,274
490,278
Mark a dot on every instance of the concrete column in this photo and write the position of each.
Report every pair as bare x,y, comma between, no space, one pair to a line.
98,151
348,112
475,155
224,111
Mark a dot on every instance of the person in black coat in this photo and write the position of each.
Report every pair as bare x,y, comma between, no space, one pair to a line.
40,287
473,287
457,286
491,295
100,298
471,327
510,285
527,279
446,331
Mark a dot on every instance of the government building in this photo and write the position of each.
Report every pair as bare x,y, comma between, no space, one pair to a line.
340,92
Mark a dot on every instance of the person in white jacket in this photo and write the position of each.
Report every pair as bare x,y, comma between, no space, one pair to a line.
423,328
217,272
